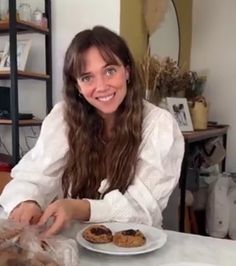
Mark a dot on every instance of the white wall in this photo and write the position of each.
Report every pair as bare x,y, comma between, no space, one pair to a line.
71,16
214,52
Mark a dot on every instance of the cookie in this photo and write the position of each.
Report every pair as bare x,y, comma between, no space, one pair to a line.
98,234
129,238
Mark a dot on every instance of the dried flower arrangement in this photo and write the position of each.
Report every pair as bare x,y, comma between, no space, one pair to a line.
154,13
162,77
195,85
149,69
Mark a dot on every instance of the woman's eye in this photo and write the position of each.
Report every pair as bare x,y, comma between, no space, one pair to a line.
110,71
85,79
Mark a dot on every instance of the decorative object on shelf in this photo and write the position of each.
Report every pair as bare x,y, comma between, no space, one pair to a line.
25,12
194,84
44,21
37,17
161,76
199,112
23,47
3,9
178,107
1,54
149,69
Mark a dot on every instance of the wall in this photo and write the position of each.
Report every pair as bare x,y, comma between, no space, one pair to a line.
132,26
213,52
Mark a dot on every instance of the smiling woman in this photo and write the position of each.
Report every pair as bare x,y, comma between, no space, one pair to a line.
102,148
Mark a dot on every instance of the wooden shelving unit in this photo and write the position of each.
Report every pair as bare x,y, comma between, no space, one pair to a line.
12,28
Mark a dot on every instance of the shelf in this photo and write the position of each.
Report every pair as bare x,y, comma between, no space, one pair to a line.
22,26
24,75
205,134
22,123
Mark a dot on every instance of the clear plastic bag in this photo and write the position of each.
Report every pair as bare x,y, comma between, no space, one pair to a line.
21,245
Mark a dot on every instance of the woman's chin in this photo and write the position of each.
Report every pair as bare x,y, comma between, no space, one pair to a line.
107,111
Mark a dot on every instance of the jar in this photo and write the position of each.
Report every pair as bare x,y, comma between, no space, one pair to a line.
25,12
199,113
37,16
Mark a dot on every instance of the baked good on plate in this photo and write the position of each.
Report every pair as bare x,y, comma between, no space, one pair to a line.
129,238
98,234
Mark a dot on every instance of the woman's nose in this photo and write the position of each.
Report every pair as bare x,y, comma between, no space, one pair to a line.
100,83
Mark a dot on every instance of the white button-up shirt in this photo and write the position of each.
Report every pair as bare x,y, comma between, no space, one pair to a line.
38,175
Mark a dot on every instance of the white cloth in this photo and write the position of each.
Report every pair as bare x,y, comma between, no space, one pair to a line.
221,208
38,175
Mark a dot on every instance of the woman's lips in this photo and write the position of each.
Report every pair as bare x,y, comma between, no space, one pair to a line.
106,98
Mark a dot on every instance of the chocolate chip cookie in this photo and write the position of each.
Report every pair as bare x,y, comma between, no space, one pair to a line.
97,234
129,238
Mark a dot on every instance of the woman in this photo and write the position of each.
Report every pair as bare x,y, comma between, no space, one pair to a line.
112,155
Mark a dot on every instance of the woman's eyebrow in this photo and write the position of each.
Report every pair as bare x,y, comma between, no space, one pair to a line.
104,66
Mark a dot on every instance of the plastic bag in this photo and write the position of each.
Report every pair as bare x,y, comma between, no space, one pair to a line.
21,245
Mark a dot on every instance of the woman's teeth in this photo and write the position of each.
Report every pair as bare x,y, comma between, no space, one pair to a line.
106,98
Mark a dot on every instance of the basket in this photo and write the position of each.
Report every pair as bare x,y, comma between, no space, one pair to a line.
199,113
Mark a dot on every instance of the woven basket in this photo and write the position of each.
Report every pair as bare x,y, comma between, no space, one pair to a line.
199,113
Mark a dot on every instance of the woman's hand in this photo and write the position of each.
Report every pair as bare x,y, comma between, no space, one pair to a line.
63,211
27,212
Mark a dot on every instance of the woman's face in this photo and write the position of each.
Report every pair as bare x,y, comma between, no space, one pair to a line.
101,84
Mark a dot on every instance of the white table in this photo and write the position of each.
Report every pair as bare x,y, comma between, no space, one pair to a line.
180,247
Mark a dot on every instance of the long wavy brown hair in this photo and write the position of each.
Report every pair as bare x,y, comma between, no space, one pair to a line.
90,158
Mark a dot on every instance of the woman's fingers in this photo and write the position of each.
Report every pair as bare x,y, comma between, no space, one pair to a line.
49,212
26,213
55,227
58,214
35,219
15,215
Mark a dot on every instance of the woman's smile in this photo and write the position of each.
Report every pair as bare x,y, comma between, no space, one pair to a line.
106,98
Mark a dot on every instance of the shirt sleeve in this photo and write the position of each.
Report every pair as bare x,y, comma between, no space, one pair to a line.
157,173
38,174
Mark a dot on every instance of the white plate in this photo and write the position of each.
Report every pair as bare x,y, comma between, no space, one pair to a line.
187,264
156,238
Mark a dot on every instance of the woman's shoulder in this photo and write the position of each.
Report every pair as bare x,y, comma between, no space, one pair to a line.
59,106
56,115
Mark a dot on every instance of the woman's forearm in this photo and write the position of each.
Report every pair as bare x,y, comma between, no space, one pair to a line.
81,210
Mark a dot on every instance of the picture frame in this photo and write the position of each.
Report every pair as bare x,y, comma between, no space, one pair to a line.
178,107
23,48
1,54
